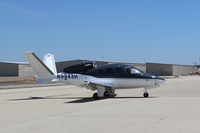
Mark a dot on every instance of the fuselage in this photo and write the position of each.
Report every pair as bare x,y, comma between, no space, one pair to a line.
116,76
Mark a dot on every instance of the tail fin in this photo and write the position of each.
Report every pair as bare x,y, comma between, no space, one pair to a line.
44,74
49,61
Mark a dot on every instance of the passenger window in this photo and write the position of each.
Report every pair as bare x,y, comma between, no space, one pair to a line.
119,70
100,71
109,70
128,70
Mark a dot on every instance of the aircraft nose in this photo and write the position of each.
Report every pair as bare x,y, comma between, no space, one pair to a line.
160,80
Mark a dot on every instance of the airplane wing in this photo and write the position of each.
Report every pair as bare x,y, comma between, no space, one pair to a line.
103,84
102,87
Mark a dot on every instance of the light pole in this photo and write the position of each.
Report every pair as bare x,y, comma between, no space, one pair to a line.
199,58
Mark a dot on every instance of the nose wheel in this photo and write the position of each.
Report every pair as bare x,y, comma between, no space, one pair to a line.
146,94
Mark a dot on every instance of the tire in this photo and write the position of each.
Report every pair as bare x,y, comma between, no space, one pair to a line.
95,96
106,94
146,94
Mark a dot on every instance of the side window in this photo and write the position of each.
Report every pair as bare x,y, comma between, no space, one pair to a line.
128,70
109,70
100,71
118,70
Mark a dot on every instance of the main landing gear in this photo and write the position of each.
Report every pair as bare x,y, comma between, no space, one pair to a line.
106,94
95,96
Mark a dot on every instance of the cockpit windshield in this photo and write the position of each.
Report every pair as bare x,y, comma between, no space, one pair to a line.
135,71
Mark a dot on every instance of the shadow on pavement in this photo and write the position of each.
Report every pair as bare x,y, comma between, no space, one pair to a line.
76,99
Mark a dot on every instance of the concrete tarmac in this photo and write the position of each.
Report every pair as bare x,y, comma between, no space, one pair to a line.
172,108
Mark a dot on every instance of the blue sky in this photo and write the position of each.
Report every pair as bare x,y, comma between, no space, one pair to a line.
163,31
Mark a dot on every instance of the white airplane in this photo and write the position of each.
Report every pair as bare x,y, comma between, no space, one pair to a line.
104,79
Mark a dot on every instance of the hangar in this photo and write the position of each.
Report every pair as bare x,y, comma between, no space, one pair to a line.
170,69
8,69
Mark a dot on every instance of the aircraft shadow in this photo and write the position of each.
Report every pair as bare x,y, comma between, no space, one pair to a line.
84,100
76,99
47,97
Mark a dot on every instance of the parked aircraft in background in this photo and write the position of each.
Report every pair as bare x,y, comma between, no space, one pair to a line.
103,79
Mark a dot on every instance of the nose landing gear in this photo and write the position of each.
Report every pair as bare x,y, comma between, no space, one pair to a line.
146,94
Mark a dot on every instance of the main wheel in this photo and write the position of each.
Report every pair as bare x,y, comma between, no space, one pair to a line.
95,96
106,94
146,94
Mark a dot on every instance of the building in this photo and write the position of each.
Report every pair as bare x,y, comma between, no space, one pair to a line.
9,69
24,70
169,69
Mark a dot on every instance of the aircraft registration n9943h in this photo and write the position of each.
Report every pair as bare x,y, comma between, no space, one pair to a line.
103,79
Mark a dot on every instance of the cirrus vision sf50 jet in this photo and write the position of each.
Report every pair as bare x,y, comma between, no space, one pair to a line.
104,79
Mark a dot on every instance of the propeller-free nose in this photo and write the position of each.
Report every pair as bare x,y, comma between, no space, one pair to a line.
159,80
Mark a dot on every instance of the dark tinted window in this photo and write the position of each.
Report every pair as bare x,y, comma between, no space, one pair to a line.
109,70
118,70
128,70
100,71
